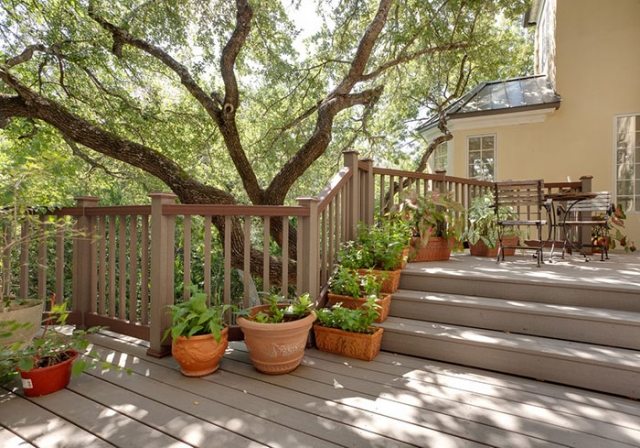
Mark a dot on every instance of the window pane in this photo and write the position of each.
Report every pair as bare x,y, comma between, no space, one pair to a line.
487,142
474,143
625,202
637,204
625,187
474,155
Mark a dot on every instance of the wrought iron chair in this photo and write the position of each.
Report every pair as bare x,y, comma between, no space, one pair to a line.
593,213
527,199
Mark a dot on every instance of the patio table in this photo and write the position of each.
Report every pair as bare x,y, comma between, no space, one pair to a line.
557,201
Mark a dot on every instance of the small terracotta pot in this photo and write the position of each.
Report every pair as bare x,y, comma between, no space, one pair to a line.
199,355
363,346
480,249
436,249
357,302
46,380
276,348
390,279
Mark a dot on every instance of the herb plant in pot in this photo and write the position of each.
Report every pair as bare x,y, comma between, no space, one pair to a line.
349,332
199,335
352,290
482,229
437,226
276,333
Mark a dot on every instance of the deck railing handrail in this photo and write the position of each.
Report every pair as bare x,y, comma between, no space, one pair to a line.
122,259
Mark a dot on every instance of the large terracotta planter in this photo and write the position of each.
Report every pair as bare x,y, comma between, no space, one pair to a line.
357,302
390,279
276,348
480,249
30,312
199,355
46,380
436,249
354,345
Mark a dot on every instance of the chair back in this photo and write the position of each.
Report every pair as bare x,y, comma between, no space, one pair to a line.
526,197
601,204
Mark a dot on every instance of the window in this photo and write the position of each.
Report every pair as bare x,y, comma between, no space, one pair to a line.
440,158
482,162
628,162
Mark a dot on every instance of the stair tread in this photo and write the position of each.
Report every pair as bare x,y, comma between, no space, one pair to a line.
586,353
519,306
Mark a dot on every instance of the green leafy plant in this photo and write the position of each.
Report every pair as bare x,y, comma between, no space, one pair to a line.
195,317
282,311
357,320
483,221
434,215
615,231
52,347
348,282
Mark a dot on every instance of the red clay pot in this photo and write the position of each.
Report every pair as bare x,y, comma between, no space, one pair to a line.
199,355
357,302
480,249
46,380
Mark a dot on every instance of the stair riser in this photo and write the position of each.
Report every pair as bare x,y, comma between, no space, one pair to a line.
557,295
538,366
579,330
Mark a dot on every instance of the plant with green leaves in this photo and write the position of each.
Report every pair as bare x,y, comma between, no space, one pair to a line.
483,221
434,215
353,320
195,317
614,233
349,282
52,347
283,311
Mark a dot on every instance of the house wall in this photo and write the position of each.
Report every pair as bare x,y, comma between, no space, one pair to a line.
598,77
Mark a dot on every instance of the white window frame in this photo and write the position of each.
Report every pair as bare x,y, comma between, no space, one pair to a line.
614,147
432,159
495,153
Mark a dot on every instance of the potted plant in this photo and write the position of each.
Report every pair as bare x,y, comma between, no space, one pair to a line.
348,332
276,333
482,228
352,290
614,234
437,226
381,249
199,335
46,363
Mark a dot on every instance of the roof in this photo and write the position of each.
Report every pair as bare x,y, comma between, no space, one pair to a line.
500,97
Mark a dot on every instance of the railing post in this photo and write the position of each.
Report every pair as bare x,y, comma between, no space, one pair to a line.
442,188
162,285
367,209
310,256
83,259
585,231
353,192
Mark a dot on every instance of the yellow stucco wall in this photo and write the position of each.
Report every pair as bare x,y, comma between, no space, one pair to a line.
598,77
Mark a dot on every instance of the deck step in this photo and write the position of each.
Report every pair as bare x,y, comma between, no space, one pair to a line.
543,285
606,369
581,324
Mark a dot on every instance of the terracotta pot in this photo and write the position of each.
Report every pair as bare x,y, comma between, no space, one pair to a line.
46,380
480,249
199,355
390,279
354,345
357,302
437,249
276,348
31,313
405,257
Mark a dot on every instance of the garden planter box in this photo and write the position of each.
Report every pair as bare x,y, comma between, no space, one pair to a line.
357,302
363,346
437,249
390,279
480,249
46,380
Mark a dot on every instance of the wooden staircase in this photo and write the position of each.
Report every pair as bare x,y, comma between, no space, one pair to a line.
571,323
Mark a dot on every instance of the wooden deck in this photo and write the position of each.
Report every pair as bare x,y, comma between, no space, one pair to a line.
328,401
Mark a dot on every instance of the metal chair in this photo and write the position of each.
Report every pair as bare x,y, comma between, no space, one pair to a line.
581,214
527,199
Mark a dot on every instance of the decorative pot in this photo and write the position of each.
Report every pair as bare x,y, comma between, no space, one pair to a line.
357,302
405,257
365,346
436,249
390,279
46,380
276,348
199,355
30,312
480,249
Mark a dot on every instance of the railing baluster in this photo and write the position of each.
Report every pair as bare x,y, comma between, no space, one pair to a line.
102,259
323,244
133,268
112,266
382,194
42,260
122,266
227,260
25,235
144,267
285,256
207,258
6,259
93,268
186,258
246,254
266,241
332,249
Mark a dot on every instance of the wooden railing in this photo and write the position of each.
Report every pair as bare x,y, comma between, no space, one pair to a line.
126,264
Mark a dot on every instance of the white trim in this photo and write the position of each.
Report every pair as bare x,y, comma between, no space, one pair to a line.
495,153
614,145
496,120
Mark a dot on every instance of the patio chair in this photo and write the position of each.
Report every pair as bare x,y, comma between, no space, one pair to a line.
593,213
526,198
